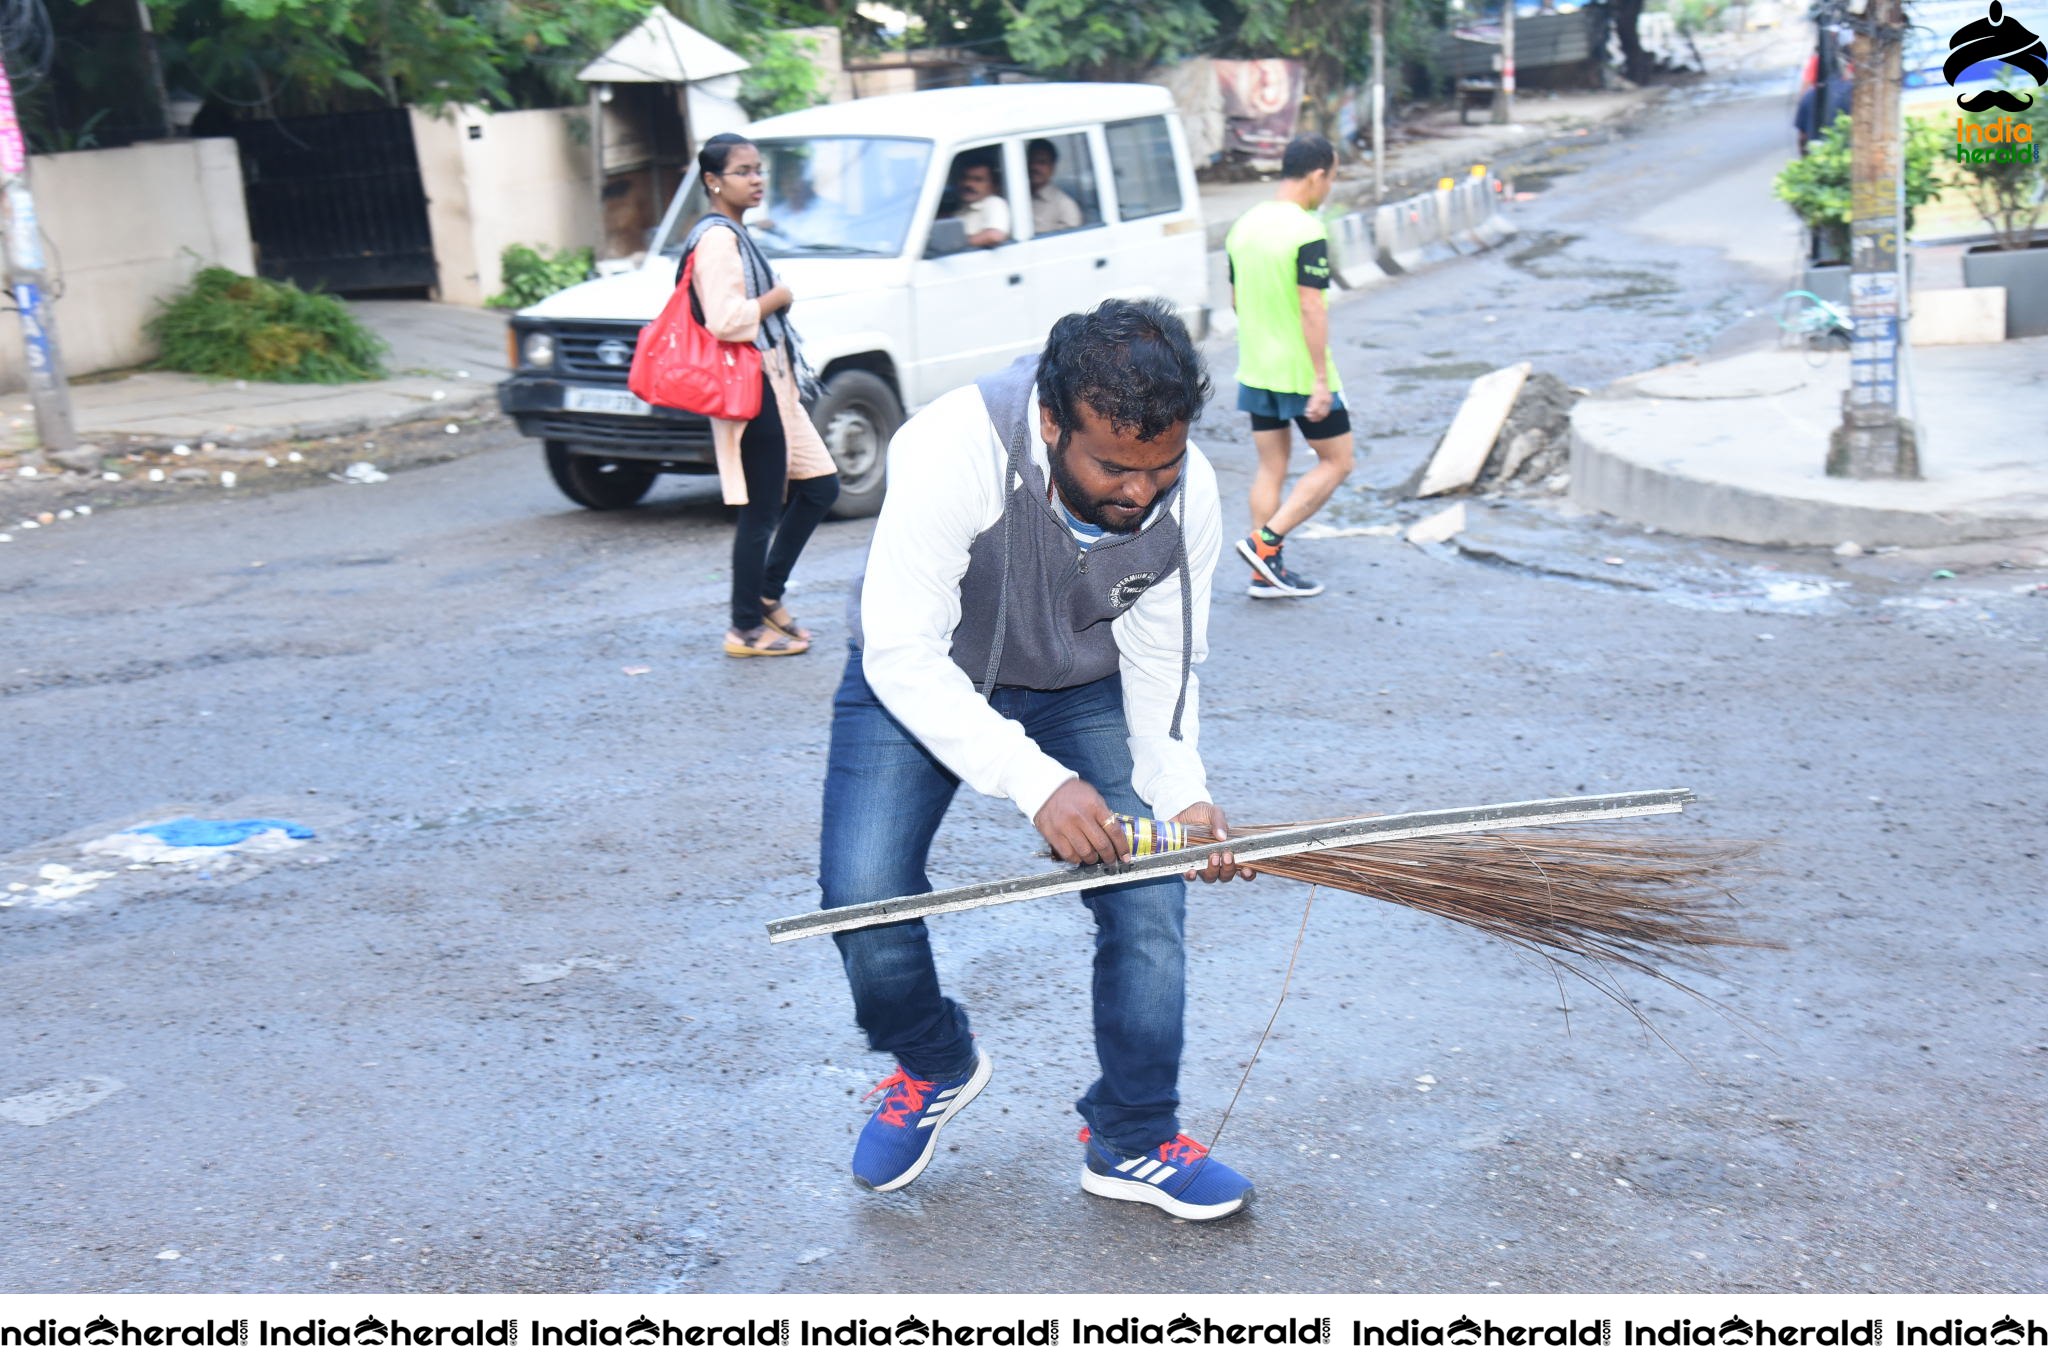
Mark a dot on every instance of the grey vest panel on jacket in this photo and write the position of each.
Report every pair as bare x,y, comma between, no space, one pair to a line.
1036,608
1061,598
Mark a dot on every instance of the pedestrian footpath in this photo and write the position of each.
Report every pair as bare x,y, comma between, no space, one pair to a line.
1737,447
445,361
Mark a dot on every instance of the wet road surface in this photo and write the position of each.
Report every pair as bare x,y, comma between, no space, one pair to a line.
511,1021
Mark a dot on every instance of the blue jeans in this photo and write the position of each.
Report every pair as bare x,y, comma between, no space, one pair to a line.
884,798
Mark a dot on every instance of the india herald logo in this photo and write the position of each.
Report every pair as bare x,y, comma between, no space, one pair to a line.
1997,38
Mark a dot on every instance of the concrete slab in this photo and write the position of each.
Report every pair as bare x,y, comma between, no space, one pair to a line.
1741,457
1469,440
1959,317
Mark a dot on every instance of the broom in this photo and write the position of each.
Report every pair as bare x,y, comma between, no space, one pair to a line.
1640,904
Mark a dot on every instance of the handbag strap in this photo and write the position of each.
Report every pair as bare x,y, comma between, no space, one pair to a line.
683,282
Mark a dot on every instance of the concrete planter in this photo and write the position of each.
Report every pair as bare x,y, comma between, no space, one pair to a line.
2025,277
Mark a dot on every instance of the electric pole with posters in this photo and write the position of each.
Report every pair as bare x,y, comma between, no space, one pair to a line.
28,281
1873,442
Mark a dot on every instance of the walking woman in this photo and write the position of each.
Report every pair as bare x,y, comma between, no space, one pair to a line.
776,465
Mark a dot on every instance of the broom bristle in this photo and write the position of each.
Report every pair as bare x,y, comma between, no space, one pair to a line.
1629,903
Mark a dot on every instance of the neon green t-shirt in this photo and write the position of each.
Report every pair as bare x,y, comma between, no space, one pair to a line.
1274,250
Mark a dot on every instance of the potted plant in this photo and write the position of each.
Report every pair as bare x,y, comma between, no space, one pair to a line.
2008,188
1817,188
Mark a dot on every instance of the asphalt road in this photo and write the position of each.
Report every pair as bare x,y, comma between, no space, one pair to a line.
511,1022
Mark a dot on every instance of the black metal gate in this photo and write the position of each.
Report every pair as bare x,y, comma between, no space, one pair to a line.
335,201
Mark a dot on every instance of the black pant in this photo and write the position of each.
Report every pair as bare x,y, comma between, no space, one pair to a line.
774,524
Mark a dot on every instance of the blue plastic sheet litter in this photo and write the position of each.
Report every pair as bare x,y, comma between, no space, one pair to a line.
192,830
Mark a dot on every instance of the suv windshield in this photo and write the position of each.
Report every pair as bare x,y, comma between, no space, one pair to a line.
827,197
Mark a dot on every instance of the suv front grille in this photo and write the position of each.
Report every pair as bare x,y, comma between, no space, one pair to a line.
595,351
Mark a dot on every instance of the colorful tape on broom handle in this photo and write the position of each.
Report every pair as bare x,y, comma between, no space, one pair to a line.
1145,836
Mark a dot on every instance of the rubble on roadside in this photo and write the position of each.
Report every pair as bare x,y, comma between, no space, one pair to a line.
1512,434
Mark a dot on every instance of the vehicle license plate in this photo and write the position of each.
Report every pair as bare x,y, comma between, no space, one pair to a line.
577,400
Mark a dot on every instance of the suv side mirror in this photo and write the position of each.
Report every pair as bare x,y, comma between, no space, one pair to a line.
949,238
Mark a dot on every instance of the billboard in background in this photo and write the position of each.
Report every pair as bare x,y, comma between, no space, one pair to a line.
1261,104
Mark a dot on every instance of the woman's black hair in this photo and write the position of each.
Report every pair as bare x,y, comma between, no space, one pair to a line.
716,151
1131,361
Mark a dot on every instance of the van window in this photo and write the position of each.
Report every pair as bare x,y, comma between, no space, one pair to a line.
827,197
1141,162
1063,193
976,195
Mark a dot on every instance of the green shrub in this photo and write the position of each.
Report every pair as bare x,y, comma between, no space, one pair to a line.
2011,195
530,277
1817,186
240,328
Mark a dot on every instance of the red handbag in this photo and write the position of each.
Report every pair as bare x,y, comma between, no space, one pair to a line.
677,363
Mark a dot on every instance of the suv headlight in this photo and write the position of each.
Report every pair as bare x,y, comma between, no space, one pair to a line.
538,351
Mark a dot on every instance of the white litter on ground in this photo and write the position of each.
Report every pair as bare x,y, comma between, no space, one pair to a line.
61,883
137,850
54,1102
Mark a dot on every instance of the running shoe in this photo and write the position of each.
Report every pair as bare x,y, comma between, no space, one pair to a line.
1270,576
899,1138
1179,1177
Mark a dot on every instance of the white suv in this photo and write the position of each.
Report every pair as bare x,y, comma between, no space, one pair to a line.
895,307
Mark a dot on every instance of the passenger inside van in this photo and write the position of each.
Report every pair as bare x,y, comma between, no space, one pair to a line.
1053,210
981,210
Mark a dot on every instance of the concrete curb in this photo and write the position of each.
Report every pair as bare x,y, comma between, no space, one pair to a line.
1620,468
138,437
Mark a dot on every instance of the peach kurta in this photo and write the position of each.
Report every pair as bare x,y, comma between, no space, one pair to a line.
721,284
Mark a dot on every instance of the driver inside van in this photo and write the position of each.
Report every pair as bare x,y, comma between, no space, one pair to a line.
983,212
795,210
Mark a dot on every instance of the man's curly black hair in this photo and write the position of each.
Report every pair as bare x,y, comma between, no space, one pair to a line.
1131,361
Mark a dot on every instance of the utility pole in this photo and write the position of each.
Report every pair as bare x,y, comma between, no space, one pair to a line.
28,278
1872,442
1504,106
1379,100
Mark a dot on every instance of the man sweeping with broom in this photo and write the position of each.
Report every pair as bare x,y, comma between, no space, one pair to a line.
1036,598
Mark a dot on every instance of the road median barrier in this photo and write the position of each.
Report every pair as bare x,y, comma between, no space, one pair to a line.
1458,218
1394,229
1354,253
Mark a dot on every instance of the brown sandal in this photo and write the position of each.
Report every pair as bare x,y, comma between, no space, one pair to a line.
766,639
779,618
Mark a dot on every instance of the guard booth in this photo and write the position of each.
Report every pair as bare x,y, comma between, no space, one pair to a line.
655,96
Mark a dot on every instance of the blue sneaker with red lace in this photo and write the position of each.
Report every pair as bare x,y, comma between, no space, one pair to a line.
899,1138
1179,1177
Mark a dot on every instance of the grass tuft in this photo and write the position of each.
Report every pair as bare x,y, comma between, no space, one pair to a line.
237,327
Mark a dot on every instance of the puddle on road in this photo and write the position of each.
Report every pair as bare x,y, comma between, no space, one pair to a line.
1541,246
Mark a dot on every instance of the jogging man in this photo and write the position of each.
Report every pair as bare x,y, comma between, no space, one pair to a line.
1035,601
1279,269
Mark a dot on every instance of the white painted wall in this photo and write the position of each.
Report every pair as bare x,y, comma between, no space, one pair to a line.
493,180
124,227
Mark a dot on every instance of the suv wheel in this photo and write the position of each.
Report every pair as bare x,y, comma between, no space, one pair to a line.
857,415
600,482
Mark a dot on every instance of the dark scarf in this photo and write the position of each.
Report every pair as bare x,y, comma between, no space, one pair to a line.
775,329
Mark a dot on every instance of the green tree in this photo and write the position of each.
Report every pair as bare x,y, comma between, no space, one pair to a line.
2009,194
784,75
1111,42
303,56
1331,39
